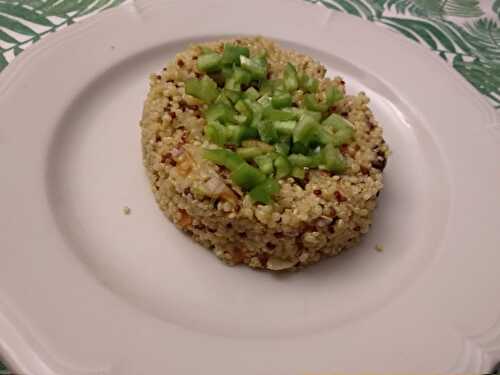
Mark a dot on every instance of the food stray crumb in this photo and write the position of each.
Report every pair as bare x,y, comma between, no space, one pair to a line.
379,248
126,210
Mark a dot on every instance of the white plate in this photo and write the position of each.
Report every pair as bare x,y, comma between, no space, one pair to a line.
85,289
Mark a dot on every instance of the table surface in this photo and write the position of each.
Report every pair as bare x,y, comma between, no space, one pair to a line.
464,33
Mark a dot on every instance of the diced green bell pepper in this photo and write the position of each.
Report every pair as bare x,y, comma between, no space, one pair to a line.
223,157
281,100
250,152
336,122
267,132
265,163
257,143
252,94
305,129
333,160
279,115
298,172
242,107
285,127
232,95
265,102
263,192
271,86
324,135
333,95
283,166
210,62
256,67
236,133
238,78
299,148
343,129
216,133
282,148
204,89
290,78
312,104
220,112
247,176
299,160
308,84
232,53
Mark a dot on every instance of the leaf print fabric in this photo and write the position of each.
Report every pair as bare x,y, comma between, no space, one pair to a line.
464,33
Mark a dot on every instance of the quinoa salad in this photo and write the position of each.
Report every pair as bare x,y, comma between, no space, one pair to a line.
258,156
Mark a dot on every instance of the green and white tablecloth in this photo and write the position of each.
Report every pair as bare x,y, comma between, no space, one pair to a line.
464,33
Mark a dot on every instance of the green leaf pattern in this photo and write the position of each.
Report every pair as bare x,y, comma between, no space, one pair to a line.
463,33
23,22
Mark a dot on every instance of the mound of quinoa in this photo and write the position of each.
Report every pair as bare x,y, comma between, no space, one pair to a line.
308,220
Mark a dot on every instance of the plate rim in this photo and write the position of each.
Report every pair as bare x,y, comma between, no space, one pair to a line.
10,74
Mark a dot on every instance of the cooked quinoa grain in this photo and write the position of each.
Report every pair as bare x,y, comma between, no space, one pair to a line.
309,219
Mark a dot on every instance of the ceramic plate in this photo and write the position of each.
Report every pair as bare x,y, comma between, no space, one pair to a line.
85,289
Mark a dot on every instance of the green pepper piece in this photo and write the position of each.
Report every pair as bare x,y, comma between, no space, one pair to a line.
257,143
299,148
333,95
210,62
281,100
249,133
324,135
243,108
298,172
270,86
232,53
283,166
224,100
265,163
204,89
257,110
267,132
256,67
227,72
265,102
232,95
337,122
263,192
308,84
344,130
343,137
290,78
238,78
250,152
224,158
285,127
282,148
333,159
247,176
220,111
251,94
299,160
215,133
278,85
312,104
279,115
305,129
235,134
